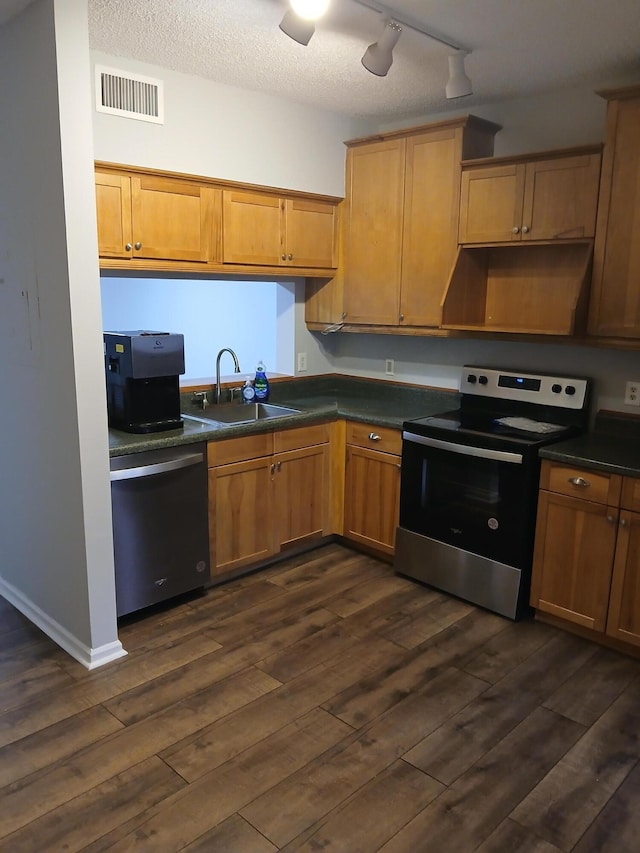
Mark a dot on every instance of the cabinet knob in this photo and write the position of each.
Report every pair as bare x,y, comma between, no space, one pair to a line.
579,481
138,245
128,247
515,229
290,256
623,522
611,518
402,318
283,257
373,436
344,315
525,229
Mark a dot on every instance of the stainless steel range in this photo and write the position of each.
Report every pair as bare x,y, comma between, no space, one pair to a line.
470,479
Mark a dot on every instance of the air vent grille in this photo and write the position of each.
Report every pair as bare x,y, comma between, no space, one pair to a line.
129,95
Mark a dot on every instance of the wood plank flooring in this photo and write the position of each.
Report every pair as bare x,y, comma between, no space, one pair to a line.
321,704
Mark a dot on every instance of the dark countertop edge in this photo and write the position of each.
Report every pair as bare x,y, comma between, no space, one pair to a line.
599,452
371,409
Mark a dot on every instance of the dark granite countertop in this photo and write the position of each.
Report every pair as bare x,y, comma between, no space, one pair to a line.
318,399
613,446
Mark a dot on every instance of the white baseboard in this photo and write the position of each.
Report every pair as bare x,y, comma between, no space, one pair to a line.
87,656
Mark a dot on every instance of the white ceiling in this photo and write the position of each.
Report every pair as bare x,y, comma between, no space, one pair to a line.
518,47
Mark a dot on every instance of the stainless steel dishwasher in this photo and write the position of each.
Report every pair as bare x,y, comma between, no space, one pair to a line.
160,524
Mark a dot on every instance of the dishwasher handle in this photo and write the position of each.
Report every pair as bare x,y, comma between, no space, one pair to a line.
156,468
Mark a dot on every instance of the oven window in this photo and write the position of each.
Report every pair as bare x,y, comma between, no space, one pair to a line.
484,506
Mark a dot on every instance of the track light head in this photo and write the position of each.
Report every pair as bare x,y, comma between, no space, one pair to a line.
458,84
378,57
297,28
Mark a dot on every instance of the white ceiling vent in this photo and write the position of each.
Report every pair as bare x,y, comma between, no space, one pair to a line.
130,95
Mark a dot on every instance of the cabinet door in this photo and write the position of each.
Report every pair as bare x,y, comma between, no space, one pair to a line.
624,609
431,207
113,202
172,220
240,514
372,498
561,198
373,235
310,233
491,204
301,498
615,304
573,559
252,229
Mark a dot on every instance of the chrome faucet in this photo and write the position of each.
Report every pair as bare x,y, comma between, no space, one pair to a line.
236,368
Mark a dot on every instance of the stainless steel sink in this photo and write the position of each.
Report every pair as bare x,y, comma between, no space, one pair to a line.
243,413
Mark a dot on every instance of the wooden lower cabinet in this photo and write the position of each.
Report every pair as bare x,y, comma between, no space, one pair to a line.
267,492
372,485
586,567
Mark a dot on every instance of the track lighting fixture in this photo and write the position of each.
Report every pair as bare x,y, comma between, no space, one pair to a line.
298,24
458,84
379,56
297,28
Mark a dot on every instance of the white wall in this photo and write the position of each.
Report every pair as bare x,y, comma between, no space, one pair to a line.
55,523
220,131
242,315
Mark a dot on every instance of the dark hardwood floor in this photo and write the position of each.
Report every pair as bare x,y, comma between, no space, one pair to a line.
321,704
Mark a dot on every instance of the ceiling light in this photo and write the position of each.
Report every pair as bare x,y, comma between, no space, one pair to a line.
379,56
296,28
458,84
310,10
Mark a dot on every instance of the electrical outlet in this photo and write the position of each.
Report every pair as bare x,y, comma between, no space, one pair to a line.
302,362
632,394
389,367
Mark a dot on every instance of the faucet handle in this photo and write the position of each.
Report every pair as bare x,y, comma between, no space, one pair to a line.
201,397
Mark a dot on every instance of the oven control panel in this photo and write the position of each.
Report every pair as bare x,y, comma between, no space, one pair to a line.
568,392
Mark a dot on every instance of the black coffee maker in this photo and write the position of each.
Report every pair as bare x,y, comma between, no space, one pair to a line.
142,369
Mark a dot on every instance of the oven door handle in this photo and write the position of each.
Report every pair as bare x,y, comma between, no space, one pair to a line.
464,449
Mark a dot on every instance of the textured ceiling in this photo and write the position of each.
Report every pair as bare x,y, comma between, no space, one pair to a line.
518,47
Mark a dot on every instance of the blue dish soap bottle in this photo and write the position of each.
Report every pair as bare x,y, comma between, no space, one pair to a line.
261,383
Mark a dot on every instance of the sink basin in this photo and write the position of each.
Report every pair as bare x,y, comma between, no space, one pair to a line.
243,413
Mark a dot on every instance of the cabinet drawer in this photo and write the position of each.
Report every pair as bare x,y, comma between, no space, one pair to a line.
374,437
292,439
580,483
631,493
239,449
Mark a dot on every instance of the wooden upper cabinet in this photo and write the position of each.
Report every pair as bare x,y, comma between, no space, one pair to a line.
546,198
172,220
402,204
153,218
615,301
113,201
373,237
268,230
165,221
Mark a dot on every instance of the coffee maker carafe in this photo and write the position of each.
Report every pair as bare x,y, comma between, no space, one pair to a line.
142,371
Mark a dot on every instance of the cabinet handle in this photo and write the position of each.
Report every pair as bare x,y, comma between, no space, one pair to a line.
273,467
611,518
623,522
283,257
138,245
515,229
402,318
525,229
128,247
579,481
344,315
373,436
279,466
290,256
